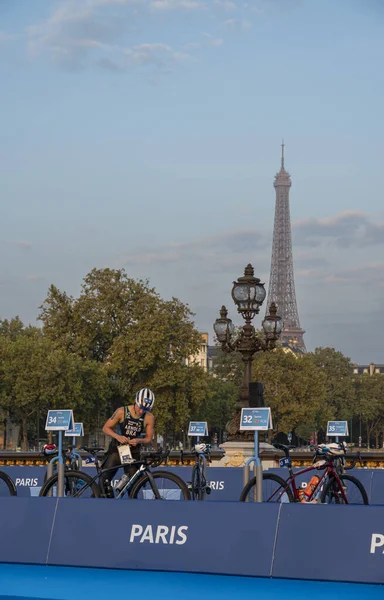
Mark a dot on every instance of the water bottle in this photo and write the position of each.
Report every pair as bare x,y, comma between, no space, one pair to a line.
122,482
301,493
108,489
311,486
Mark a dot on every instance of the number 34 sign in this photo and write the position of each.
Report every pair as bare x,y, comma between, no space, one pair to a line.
59,420
255,419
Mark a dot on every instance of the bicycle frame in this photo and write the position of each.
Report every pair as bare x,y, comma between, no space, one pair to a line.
329,469
139,473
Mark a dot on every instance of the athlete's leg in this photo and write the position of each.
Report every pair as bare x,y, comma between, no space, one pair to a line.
112,459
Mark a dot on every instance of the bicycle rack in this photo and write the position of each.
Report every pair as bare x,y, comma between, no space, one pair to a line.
257,472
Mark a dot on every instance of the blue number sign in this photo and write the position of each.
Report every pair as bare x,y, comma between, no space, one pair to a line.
337,428
198,428
255,419
59,420
77,431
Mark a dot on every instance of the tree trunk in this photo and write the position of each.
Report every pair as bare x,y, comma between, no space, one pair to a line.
25,435
377,441
5,435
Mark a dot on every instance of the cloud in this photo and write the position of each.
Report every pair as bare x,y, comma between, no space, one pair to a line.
184,5
311,262
23,245
217,250
34,277
156,55
7,37
73,33
226,5
238,23
78,35
369,274
345,230
211,40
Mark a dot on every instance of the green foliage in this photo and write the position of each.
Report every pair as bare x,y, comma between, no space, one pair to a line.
138,338
35,375
370,403
340,391
219,404
294,388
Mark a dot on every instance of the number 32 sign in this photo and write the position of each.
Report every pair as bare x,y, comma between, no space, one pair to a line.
255,419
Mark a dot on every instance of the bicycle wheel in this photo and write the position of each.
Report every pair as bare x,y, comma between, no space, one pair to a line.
198,484
74,482
353,489
171,487
275,489
9,488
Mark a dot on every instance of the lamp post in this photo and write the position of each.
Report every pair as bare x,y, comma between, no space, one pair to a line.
248,293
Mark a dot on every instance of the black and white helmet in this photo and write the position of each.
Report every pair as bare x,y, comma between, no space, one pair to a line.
145,399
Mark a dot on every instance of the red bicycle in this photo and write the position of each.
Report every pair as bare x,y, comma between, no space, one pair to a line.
333,486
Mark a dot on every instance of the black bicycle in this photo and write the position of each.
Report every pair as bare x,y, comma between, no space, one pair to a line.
199,486
141,484
9,486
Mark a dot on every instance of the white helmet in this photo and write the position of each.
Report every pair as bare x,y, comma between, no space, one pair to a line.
201,448
145,399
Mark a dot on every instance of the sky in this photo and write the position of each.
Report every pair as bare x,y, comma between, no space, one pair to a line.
145,135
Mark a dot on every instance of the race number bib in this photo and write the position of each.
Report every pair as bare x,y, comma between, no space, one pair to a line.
125,454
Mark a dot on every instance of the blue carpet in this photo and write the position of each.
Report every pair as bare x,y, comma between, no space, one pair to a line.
69,583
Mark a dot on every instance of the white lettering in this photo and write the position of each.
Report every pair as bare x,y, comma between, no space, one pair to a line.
217,485
26,482
377,540
148,535
136,530
173,530
183,537
161,532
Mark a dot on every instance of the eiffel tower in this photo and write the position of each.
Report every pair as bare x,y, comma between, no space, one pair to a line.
281,281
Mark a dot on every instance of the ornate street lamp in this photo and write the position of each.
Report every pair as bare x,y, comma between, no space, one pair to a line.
248,294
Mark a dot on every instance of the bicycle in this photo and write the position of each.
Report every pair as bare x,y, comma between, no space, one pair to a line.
199,487
10,484
72,459
142,484
333,485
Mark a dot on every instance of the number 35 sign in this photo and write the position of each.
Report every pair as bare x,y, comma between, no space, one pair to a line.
255,419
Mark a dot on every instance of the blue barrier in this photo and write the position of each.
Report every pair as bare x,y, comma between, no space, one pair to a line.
26,526
292,541
177,536
226,482
377,489
336,543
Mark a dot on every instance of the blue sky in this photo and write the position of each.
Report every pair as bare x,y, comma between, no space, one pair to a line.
146,134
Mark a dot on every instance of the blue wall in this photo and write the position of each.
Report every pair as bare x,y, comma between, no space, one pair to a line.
226,482
317,542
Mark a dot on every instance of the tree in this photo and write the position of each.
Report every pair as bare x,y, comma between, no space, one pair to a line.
112,307
219,405
370,404
35,376
294,389
340,391
229,366
140,339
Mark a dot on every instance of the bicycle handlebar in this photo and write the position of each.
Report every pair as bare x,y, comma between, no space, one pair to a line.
355,459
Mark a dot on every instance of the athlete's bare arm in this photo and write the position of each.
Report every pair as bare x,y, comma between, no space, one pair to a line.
108,429
149,423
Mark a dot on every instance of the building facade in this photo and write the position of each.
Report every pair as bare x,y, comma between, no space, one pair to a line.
371,369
